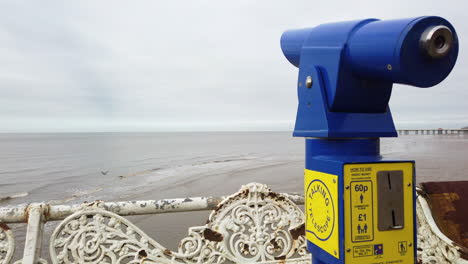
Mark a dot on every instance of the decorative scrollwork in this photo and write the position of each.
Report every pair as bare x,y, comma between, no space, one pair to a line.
7,244
255,225
259,225
431,248
98,236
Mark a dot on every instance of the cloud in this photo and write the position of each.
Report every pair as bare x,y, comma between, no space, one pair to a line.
200,65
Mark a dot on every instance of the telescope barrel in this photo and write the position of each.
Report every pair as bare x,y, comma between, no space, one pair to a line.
419,51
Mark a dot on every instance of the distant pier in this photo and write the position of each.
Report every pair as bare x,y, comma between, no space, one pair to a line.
439,131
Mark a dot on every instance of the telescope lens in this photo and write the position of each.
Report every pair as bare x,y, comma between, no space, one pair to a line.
437,41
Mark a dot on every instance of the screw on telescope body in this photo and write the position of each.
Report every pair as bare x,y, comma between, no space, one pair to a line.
309,82
436,41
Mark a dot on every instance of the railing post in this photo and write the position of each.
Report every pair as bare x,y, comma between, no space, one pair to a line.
32,244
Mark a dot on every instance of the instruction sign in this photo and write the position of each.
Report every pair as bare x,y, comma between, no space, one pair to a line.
364,242
321,210
362,215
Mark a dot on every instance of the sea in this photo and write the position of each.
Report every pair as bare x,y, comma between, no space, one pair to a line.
61,168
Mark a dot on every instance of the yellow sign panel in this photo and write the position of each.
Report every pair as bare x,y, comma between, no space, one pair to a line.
367,242
321,209
362,211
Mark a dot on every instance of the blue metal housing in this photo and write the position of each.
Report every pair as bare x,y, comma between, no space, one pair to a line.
330,156
353,66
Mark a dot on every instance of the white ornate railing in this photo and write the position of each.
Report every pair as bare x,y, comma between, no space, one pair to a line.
254,225
7,244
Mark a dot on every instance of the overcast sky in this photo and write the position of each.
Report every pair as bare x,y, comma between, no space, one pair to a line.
186,65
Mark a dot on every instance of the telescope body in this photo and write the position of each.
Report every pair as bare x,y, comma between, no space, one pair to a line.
353,65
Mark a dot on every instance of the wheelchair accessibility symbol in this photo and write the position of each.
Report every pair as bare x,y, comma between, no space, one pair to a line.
402,247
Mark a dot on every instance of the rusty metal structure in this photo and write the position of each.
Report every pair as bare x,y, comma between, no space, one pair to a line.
448,203
254,225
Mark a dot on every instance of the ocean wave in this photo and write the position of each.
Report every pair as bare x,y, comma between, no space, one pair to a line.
196,165
138,173
78,193
13,196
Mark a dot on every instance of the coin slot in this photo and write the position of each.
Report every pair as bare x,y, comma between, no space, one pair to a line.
390,200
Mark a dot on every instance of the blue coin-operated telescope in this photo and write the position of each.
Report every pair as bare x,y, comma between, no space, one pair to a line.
359,205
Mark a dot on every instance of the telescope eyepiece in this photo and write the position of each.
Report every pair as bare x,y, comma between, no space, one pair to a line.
436,41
